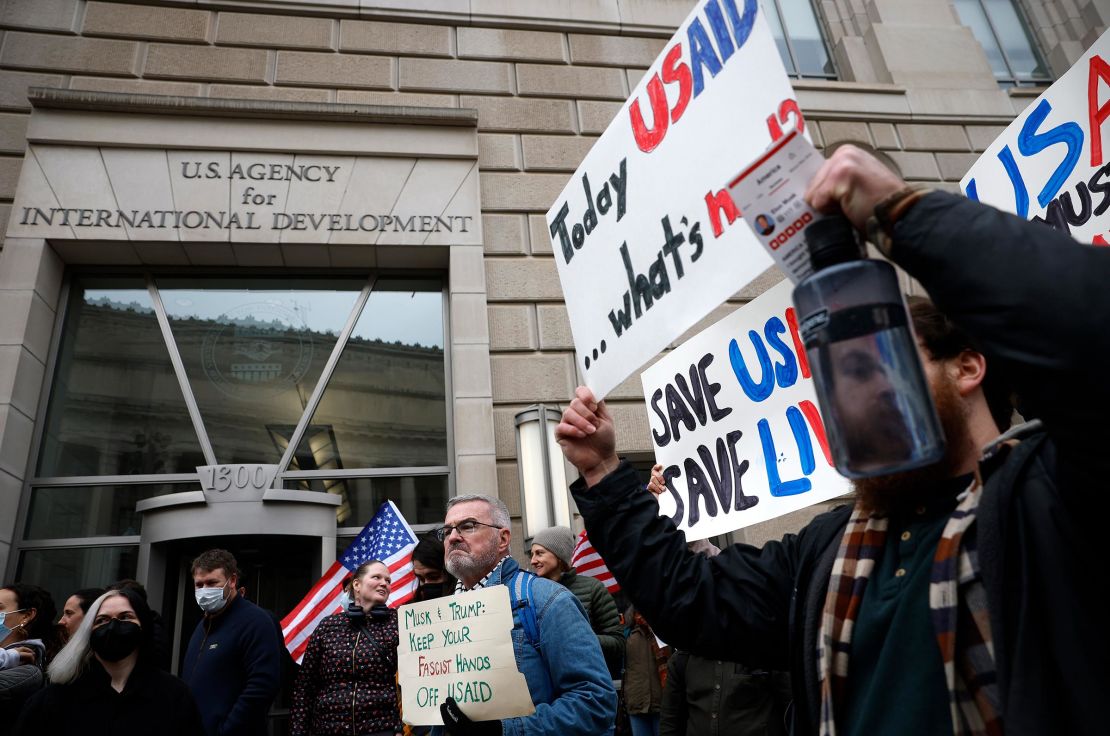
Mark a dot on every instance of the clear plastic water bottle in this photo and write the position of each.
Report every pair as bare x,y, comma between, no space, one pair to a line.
878,410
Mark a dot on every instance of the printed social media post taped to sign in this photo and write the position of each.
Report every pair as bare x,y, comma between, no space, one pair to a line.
735,423
460,647
1050,164
646,236
771,196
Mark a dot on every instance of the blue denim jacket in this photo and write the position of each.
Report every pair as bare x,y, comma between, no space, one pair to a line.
567,677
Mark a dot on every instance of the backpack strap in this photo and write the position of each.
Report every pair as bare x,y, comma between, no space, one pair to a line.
520,598
390,655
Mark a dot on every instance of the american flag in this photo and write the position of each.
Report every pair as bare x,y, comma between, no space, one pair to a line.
388,538
586,561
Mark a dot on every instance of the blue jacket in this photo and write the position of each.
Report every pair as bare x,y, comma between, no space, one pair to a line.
567,677
233,669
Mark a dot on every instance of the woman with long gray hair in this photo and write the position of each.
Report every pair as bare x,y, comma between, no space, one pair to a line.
104,681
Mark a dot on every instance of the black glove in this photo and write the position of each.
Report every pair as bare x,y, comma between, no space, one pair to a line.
456,723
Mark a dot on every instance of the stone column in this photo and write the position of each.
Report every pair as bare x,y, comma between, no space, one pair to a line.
30,284
475,465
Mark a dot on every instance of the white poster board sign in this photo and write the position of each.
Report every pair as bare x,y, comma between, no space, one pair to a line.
460,647
643,233
735,423
1051,164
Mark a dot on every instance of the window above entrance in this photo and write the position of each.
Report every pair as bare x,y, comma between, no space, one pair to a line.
253,350
115,405
326,378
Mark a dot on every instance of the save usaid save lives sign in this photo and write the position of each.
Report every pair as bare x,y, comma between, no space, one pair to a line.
735,424
1052,163
643,233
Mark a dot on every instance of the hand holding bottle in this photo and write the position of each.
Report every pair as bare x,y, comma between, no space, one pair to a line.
852,181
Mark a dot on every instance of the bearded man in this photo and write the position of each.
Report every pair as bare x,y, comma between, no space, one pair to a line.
555,648
957,598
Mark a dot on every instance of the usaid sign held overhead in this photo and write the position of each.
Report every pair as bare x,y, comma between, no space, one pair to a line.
644,234
1052,164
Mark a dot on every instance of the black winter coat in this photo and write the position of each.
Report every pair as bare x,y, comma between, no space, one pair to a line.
1039,304
346,683
153,703
711,697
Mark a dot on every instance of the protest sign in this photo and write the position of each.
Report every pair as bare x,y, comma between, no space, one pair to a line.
641,233
771,195
734,421
460,647
1049,164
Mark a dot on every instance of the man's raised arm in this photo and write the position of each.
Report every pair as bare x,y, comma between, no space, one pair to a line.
1034,298
733,606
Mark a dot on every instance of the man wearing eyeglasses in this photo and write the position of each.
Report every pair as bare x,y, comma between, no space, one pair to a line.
556,649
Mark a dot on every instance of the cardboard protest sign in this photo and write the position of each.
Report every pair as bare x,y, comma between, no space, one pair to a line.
641,233
735,423
460,647
1050,163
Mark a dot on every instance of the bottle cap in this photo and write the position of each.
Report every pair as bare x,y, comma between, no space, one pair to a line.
832,240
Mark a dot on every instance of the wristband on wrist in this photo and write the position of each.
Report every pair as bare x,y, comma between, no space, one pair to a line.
887,213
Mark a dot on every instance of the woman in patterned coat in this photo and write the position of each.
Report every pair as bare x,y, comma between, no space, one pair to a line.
347,680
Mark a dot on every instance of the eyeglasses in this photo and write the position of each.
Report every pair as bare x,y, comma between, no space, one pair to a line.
465,528
103,619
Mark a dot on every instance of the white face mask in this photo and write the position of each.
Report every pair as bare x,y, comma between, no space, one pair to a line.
211,600
344,601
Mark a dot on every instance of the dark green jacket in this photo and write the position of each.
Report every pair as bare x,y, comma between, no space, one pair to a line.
643,690
604,618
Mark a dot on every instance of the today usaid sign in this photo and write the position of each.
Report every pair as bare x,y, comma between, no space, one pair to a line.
643,233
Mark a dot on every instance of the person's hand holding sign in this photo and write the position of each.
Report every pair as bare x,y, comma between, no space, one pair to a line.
656,484
587,436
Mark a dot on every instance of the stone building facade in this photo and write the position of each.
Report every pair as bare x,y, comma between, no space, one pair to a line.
472,109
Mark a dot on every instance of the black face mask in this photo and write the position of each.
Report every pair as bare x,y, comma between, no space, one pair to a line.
116,639
430,591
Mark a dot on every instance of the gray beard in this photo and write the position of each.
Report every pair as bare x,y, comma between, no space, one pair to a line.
470,568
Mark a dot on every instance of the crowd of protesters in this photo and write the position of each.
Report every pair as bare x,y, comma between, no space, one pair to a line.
933,603
102,666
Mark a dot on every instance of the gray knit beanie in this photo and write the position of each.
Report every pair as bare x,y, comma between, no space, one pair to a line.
558,540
